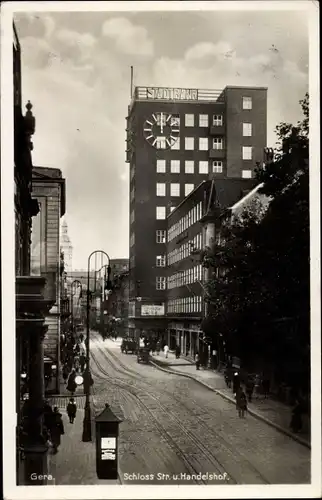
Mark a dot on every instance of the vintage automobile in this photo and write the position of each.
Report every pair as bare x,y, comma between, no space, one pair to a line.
143,355
128,345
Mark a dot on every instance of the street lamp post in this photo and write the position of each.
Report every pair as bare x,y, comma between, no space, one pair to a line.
87,423
72,300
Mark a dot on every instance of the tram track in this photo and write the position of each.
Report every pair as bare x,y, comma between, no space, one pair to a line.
116,382
223,446
230,450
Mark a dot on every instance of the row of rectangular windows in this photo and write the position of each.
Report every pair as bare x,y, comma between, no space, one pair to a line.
185,222
185,249
217,120
185,305
217,144
189,166
174,188
185,277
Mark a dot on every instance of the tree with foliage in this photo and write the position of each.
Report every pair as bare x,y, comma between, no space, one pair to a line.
259,291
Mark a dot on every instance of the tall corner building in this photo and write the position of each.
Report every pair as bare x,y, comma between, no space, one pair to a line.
177,138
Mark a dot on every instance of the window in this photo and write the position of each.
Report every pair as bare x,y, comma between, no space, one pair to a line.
246,174
203,143
176,145
160,188
160,213
189,143
175,189
132,240
160,283
171,209
203,120
161,235
188,188
161,166
189,166
175,121
175,166
161,143
217,143
247,152
217,167
203,167
247,103
247,129
217,120
132,218
189,120
160,261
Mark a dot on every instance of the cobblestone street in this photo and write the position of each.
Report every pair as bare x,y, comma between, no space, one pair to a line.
173,428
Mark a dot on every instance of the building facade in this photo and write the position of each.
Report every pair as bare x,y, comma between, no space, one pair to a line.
49,190
176,138
192,227
66,247
31,302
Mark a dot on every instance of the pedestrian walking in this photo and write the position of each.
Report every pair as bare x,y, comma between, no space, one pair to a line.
47,417
257,384
71,410
82,361
56,429
177,351
250,387
65,373
296,421
71,384
158,347
266,386
77,363
197,360
166,350
236,383
227,376
241,402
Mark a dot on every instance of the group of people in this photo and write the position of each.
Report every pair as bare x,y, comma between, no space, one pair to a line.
259,385
74,360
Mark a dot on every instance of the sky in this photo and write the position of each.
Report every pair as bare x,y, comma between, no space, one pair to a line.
76,73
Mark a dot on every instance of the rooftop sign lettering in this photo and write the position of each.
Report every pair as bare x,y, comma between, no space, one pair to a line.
171,94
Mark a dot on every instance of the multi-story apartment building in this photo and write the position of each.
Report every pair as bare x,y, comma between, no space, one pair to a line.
176,138
49,189
192,227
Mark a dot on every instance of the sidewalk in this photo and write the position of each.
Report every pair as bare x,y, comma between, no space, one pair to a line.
274,413
75,462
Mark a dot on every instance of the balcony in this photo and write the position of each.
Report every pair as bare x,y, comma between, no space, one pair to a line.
216,130
217,154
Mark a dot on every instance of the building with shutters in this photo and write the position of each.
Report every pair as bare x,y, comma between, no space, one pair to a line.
176,139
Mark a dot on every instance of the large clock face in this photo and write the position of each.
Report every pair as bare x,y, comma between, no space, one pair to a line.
161,130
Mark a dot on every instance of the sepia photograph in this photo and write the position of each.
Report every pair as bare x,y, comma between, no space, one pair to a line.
160,256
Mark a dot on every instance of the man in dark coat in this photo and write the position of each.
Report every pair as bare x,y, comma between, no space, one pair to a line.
71,410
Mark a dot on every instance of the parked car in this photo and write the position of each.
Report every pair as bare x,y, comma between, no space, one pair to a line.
128,345
143,355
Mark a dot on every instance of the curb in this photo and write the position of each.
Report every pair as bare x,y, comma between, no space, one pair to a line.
231,400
